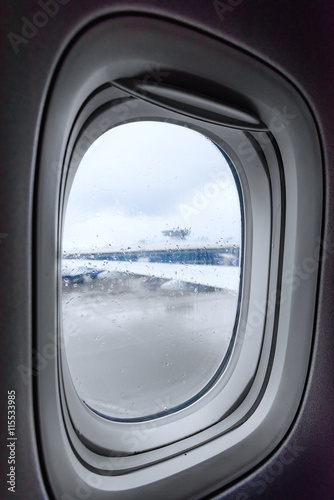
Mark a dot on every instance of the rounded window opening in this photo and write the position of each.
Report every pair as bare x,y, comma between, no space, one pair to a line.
151,269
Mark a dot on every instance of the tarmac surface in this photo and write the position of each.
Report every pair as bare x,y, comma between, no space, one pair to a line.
136,346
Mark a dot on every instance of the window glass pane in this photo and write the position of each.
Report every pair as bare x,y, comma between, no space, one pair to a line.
150,269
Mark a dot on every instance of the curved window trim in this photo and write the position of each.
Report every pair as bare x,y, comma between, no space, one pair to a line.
287,352
104,435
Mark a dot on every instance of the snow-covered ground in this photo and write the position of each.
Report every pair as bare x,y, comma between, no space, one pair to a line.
224,277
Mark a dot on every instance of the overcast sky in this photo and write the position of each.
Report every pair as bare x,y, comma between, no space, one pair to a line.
142,178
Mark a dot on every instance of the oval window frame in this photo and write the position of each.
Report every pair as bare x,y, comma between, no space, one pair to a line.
234,379
95,261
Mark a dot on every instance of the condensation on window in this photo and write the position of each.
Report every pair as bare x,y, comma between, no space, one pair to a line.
150,269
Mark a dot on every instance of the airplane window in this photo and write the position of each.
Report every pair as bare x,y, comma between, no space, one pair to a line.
150,269
169,198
